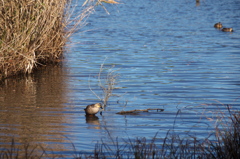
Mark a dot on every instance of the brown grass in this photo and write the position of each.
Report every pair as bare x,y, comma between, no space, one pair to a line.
227,144
34,33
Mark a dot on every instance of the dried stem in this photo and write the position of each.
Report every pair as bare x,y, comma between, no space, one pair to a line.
107,83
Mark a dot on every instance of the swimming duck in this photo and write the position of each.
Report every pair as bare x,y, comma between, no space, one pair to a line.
227,29
218,25
92,109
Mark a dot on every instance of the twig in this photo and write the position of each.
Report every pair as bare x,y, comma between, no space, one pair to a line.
92,90
138,110
107,85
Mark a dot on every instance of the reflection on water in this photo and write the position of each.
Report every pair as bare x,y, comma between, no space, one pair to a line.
197,2
32,109
93,121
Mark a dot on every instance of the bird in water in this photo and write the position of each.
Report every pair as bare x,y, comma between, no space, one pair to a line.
227,29
93,109
218,25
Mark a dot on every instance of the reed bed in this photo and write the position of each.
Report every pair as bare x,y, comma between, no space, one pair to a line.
34,32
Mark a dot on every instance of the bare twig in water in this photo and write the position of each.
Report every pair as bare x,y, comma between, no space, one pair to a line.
106,83
138,110
92,90
99,2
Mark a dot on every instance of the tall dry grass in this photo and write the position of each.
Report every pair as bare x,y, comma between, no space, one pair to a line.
227,144
34,32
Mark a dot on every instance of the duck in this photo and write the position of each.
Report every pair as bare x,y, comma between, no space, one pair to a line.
227,29
93,109
218,25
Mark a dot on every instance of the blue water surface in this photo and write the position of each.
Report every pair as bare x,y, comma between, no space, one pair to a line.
169,56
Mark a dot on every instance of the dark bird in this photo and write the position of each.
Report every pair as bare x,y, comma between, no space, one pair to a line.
93,109
218,25
227,29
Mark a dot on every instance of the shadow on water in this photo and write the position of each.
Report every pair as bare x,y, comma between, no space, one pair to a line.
31,109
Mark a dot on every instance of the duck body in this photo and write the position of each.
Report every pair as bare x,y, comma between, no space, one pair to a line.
92,109
227,29
218,25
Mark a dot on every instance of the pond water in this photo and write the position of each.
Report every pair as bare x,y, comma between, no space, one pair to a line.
168,55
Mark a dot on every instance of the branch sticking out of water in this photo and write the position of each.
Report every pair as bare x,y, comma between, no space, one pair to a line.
99,2
106,83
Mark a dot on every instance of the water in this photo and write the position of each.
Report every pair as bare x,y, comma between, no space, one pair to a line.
168,55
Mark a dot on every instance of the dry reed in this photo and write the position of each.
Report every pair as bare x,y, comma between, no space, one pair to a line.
34,33
106,82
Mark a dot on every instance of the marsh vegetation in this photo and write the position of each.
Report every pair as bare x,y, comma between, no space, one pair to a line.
34,33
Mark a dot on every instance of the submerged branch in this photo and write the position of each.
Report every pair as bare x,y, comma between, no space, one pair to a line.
138,110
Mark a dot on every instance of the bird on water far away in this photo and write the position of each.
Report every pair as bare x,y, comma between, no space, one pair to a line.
218,25
93,109
227,29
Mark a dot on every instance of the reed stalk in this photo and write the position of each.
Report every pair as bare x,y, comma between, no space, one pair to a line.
34,32
107,80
